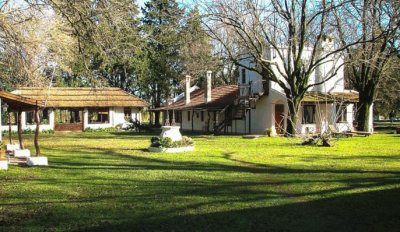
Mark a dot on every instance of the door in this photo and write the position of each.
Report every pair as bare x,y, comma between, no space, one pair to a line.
279,118
70,119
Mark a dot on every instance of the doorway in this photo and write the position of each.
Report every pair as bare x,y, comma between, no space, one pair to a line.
279,119
69,119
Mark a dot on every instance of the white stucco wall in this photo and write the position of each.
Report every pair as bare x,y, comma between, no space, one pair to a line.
42,127
118,115
323,72
198,125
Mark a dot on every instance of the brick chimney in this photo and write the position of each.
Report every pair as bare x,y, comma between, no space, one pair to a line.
207,96
187,90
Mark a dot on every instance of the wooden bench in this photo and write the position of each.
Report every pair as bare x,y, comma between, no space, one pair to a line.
335,133
365,133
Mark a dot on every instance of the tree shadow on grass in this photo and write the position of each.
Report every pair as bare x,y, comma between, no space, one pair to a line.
151,163
369,211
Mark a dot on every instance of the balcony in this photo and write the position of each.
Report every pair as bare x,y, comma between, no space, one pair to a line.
258,87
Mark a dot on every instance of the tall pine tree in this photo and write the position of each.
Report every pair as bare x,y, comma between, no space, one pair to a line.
162,27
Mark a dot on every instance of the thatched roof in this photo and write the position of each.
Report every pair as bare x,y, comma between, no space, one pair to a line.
81,97
347,96
16,102
221,96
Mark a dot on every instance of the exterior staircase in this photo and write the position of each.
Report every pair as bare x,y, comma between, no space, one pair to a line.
243,103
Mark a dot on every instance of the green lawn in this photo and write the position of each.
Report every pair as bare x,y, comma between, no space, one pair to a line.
109,182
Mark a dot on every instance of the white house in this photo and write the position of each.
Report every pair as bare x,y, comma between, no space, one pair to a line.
254,105
76,109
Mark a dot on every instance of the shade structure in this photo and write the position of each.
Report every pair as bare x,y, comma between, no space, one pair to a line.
60,97
17,103
20,104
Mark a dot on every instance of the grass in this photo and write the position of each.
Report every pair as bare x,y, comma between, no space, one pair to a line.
108,182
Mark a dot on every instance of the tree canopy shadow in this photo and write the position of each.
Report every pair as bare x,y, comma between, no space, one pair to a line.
368,211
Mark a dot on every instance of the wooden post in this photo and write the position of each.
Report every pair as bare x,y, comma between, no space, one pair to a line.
250,121
192,121
9,126
208,121
21,145
36,139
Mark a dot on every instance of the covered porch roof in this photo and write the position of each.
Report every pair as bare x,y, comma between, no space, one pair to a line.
17,102
349,96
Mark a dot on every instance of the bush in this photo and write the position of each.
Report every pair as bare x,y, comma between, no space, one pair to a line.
314,140
100,130
168,143
310,141
47,131
30,132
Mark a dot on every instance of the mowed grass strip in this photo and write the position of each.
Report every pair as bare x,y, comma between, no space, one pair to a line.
109,182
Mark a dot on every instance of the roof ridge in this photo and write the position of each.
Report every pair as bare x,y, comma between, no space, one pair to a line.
69,88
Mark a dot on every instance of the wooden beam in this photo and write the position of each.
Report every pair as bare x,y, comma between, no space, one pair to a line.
21,145
36,139
9,126
192,121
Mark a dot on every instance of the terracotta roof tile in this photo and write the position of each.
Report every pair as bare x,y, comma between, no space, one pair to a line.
221,96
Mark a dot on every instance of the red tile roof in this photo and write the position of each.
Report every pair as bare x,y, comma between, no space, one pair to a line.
221,96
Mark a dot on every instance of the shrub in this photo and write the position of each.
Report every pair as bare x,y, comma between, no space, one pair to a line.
101,130
30,132
47,131
310,141
268,132
187,141
168,143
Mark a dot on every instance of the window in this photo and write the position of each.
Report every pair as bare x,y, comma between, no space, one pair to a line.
4,118
43,115
308,114
98,115
341,113
67,116
202,116
188,115
178,116
30,118
243,76
128,114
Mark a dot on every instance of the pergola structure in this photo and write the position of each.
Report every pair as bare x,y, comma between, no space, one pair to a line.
16,103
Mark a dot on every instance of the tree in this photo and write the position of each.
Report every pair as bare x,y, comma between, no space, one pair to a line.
31,39
109,41
375,24
388,90
161,26
196,51
296,32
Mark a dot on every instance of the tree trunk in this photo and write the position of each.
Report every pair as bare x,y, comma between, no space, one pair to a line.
366,99
293,111
21,145
36,140
363,114
157,118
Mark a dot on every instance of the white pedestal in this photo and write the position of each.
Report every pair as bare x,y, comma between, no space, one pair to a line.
3,165
37,161
22,153
171,132
12,147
